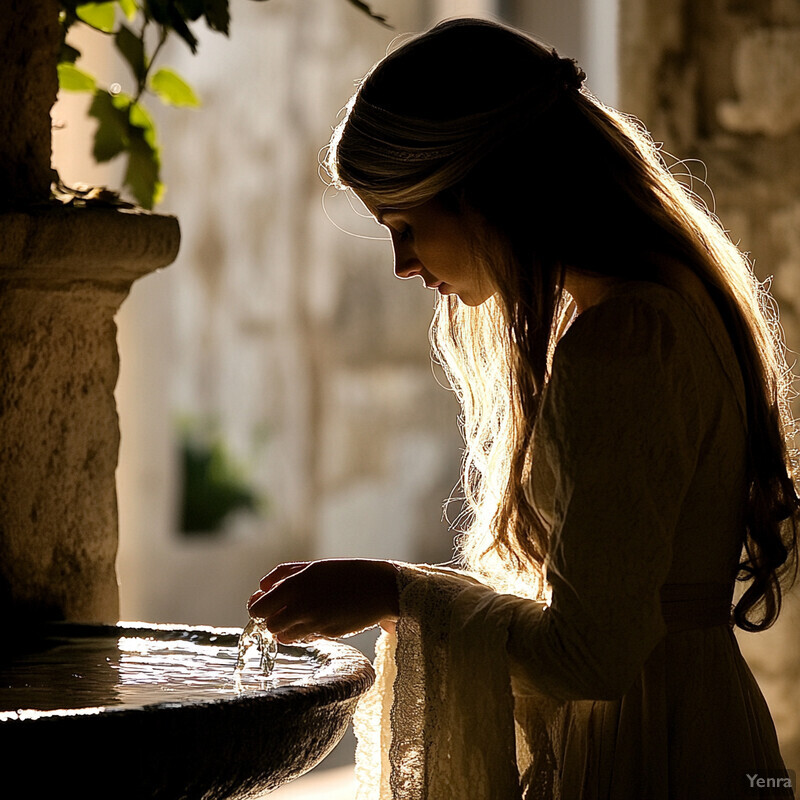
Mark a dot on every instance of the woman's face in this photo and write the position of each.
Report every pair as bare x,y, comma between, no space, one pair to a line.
433,242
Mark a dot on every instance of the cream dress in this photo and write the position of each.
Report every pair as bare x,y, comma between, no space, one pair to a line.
630,684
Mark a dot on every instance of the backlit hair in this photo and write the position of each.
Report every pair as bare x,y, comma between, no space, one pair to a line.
500,129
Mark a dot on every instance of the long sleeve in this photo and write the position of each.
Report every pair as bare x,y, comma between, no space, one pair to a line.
620,430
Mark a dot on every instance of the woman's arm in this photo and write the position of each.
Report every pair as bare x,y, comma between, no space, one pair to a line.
622,427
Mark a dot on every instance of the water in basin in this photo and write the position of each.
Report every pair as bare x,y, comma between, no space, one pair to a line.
139,711
137,669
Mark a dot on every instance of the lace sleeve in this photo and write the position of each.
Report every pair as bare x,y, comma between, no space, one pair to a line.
448,677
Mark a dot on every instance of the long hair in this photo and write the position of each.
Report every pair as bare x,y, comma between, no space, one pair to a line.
500,128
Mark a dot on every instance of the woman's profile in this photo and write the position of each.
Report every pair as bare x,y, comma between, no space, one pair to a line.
628,455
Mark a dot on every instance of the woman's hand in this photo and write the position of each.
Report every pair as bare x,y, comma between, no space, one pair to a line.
331,598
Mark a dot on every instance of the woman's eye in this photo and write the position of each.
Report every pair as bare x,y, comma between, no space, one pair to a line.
404,234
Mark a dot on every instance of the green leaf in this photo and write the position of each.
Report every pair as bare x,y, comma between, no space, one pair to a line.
112,135
99,15
122,101
68,54
174,14
157,10
143,173
140,117
178,24
190,9
172,89
129,8
217,15
126,127
132,49
362,6
72,79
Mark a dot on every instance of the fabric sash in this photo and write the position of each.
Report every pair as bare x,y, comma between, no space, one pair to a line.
691,606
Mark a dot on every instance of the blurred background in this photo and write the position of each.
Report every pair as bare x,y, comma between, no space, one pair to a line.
276,396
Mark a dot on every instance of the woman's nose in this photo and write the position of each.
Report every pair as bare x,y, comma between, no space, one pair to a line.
406,265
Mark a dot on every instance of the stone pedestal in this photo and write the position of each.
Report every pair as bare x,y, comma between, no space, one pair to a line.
63,274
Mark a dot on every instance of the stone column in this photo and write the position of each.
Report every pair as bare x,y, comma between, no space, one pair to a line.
63,273
719,81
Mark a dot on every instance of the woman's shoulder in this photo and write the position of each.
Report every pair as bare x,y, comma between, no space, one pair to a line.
651,328
641,296
633,318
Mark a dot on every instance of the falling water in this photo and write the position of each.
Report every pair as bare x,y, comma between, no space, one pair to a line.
256,634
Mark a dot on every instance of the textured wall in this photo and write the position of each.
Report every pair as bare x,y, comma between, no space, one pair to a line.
719,81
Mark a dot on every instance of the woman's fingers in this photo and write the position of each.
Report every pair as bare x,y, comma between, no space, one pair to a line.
297,633
259,604
272,579
291,592
280,572
266,604
282,620
287,627
254,598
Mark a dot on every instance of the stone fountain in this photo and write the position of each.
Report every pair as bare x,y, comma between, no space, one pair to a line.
153,711
64,272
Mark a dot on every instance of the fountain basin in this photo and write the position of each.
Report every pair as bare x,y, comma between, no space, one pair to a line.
99,712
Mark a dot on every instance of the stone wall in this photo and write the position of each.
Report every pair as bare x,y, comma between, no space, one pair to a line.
719,81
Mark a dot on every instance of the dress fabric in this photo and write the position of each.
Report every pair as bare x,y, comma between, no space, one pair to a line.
629,683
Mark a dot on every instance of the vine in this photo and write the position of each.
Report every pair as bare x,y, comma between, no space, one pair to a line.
139,29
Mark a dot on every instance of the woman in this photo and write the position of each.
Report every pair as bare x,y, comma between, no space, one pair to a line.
627,431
